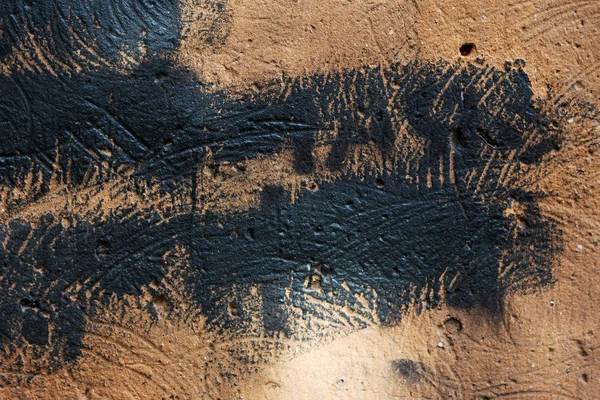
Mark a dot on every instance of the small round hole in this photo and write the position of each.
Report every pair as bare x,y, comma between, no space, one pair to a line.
466,49
233,310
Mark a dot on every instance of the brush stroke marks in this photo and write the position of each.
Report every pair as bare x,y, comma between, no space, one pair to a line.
411,191
406,185
59,36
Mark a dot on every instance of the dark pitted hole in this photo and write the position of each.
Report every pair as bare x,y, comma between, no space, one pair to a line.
453,326
26,302
457,138
29,304
160,77
466,49
161,304
233,310
379,182
102,248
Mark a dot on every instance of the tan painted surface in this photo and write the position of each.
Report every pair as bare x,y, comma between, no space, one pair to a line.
546,347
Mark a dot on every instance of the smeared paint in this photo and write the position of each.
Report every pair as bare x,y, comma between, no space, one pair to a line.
388,230
423,202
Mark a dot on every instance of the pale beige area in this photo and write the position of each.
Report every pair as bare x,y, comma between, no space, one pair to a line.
542,349
538,351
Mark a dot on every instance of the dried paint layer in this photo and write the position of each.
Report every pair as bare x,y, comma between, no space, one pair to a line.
411,187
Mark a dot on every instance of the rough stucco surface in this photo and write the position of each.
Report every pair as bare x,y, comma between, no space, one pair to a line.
300,199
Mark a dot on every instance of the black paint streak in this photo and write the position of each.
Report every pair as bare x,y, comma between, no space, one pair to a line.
385,232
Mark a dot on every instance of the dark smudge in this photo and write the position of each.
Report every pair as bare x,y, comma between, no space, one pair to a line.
410,370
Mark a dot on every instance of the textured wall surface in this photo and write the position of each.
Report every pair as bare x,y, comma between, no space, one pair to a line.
303,199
